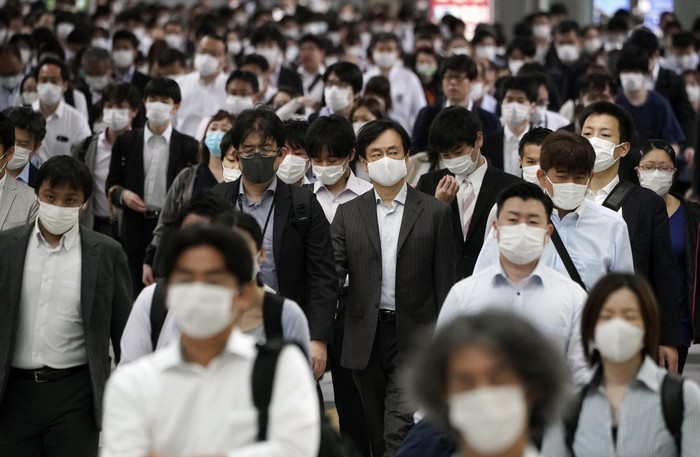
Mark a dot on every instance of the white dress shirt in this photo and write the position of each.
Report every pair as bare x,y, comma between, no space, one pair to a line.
476,178
100,205
549,300
595,237
329,202
511,159
199,100
164,404
64,128
603,193
389,220
50,331
307,79
156,155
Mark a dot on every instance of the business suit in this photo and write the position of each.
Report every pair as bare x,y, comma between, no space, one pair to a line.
303,262
426,116
492,148
468,247
17,204
425,271
126,171
291,79
105,303
672,87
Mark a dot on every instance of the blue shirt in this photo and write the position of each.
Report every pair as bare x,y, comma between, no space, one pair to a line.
654,119
677,224
24,174
389,219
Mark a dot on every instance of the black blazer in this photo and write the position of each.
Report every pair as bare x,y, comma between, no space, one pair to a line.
426,116
304,264
492,148
105,301
425,271
468,249
672,86
291,79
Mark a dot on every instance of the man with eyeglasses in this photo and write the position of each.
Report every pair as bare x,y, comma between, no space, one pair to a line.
609,128
296,234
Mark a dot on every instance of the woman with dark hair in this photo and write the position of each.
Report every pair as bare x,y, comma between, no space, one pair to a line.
623,409
657,171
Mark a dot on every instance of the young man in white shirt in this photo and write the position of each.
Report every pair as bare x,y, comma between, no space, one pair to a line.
195,396
312,52
30,129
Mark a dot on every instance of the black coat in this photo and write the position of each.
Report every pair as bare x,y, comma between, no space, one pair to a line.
426,116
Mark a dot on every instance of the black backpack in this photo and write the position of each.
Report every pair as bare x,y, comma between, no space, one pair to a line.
332,444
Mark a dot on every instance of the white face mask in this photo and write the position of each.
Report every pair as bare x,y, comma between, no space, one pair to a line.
530,174
539,115
593,45
631,82
567,196
26,55
29,98
116,119
102,43
462,165
10,82
292,168
97,83
200,310
693,93
514,66
331,174
460,51
158,112
542,31
337,99
231,174
568,53
123,58
384,59
515,114
688,62
206,65
618,340
356,126
49,93
234,47
489,419
604,154
19,158
236,104
387,171
486,52
476,92
270,54
656,180
174,40
522,243
56,219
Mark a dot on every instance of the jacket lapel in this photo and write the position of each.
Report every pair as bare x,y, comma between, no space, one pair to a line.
411,212
283,204
88,279
368,213
9,193
140,168
174,159
482,206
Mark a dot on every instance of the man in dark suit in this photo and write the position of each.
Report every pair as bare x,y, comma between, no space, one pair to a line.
470,184
271,44
67,294
609,128
17,201
457,74
296,236
30,130
396,248
125,49
143,165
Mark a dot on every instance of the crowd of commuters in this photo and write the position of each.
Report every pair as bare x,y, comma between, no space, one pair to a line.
489,245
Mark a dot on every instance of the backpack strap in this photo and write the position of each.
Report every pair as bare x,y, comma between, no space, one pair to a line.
84,148
672,405
571,416
301,201
158,312
566,258
273,305
263,380
619,195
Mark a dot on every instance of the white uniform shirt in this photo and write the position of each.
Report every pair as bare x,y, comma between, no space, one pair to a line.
100,205
156,155
511,159
329,202
64,128
600,196
199,100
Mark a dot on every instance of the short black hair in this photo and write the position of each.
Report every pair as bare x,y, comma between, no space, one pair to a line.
633,58
379,86
261,120
662,145
66,171
320,42
25,118
348,73
567,26
7,133
171,56
333,134
125,35
11,49
248,224
95,55
452,128
163,87
295,132
372,130
535,136
683,40
624,119
206,204
525,191
51,48
597,81
268,33
525,83
568,151
383,37
119,92
230,245
254,59
65,74
246,76
525,45
460,63
645,39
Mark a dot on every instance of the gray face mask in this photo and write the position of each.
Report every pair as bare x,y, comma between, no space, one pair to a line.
258,169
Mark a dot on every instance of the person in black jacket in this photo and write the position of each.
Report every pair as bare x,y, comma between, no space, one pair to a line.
271,44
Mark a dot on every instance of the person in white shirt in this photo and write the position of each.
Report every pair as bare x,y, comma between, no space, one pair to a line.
97,66
65,126
30,129
312,52
519,282
11,74
195,396
342,83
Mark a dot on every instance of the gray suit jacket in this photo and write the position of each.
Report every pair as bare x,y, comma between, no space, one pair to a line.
17,204
105,296
425,270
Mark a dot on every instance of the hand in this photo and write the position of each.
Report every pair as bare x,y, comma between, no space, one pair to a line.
446,189
147,276
133,201
689,154
319,355
668,358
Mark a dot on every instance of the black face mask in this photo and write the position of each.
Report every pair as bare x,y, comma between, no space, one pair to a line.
258,169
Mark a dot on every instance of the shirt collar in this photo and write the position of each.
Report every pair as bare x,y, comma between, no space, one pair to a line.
353,185
400,197
536,273
577,213
68,240
605,191
648,374
59,109
3,180
147,133
508,133
469,106
477,175
24,174
238,344
127,74
271,188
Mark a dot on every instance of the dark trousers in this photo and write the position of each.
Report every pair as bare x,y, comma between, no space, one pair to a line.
137,233
682,357
105,226
389,417
351,415
48,419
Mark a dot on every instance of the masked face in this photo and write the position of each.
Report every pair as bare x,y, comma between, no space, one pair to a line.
387,171
567,196
116,119
213,142
385,60
158,113
632,82
201,310
618,340
231,174
50,94
660,181
337,98
236,104
530,174
123,58
568,53
604,153
97,83
515,114
514,66
462,165
329,175
10,82
207,65
292,168
57,220
521,244
272,55
19,158
258,169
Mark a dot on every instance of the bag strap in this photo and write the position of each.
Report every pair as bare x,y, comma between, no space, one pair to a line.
673,407
158,312
314,82
571,416
84,148
619,195
301,201
566,258
273,305
262,382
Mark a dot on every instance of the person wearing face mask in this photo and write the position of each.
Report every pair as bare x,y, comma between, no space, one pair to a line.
295,167
296,234
426,66
68,297
692,88
519,52
543,116
542,33
625,408
595,87
269,42
97,67
17,201
125,48
342,83
30,129
210,289
11,74
484,46
564,62
379,238
312,52
486,383
142,168
65,126
684,53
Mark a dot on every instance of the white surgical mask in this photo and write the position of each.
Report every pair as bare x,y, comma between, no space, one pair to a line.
270,54
174,40
56,219
19,158
292,168
102,43
387,171
514,66
384,59
693,93
568,195
591,46
657,180
689,62
356,126
206,65
200,310
462,165
158,112
604,153
30,97
331,174
123,58
530,174
231,174
10,82
64,29
236,104
234,47
476,92
631,82
461,51
486,52
515,114
116,119
489,419
568,53
337,98
618,340
522,243
539,115
26,55
49,93
542,31
97,83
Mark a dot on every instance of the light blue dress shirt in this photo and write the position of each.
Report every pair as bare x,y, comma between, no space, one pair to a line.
389,220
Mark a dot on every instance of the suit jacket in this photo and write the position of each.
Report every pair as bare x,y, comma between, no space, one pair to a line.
492,148
426,116
126,170
425,270
139,80
304,263
105,301
672,87
468,248
17,204
291,79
